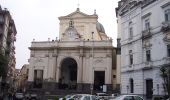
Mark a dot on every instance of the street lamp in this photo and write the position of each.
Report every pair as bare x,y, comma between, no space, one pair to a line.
127,88
157,89
0,83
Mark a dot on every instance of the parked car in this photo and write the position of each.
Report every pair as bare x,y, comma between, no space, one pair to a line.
19,96
67,97
128,97
84,97
102,96
114,95
32,96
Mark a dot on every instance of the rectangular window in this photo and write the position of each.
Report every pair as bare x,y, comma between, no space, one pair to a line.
38,78
130,32
130,57
38,74
148,55
168,50
167,15
147,24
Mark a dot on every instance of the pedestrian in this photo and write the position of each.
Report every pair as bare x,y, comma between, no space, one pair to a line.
10,96
14,98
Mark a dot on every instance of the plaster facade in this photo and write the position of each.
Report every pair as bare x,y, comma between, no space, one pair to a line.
7,49
82,39
140,26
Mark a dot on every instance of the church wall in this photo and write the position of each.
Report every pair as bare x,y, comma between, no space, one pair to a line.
49,55
51,60
38,61
84,27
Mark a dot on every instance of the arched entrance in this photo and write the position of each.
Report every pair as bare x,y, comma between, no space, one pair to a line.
68,74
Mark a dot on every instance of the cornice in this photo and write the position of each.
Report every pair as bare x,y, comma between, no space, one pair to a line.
126,6
77,12
165,5
71,48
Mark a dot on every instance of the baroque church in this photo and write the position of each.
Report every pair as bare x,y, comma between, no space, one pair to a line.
82,59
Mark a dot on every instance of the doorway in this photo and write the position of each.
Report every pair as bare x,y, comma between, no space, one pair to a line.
149,88
99,80
38,78
68,75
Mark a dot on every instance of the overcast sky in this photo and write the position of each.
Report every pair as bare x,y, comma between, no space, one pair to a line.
39,19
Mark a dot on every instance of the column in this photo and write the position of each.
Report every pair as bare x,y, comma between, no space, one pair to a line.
80,71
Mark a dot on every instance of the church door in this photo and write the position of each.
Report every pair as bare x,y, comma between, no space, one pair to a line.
99,80
68,76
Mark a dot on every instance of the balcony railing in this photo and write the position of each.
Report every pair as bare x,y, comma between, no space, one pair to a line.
7,51
0,43
167,60
146,33
165,26
10,29
130,68
147,2
9,39
1,19
148,65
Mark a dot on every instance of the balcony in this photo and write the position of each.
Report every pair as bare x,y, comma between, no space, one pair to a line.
1,19
167,60
9,40
14,38
11,22
145,3
0,44
130,68
1,30
10,29
148,65
165,26
146,33
7,51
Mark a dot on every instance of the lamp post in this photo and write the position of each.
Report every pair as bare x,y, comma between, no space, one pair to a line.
0,83
91,87
127,88
157,89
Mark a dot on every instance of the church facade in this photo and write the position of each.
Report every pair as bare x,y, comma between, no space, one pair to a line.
82,59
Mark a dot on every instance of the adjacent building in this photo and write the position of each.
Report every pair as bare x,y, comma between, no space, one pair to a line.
7,48
143,35
23,77
17,80
81,60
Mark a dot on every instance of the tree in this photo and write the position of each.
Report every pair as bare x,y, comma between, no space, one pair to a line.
165,74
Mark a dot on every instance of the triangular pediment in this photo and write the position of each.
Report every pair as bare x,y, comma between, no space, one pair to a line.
77,14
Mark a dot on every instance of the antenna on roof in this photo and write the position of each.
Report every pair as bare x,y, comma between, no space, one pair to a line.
94,11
